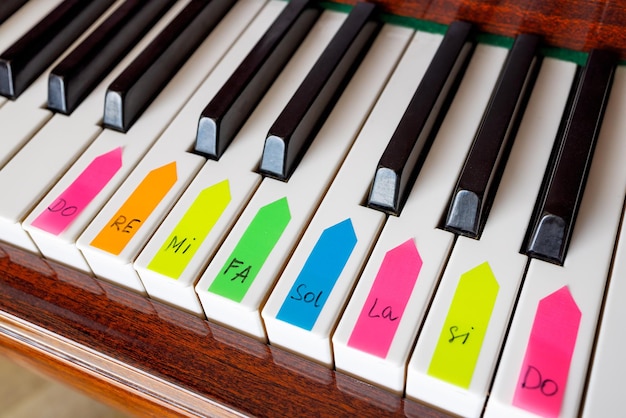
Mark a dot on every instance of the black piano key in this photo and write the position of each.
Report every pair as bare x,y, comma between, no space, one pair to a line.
135,88
475,189
30,55
79,72
293,130
399,164
222,118
553,223
8,7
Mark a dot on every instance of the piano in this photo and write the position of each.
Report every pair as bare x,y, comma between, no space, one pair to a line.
149,358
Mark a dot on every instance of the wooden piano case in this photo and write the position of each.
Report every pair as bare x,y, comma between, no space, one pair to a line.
152,360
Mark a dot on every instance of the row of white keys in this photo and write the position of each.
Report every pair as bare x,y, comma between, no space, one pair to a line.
20,22
174,143
34,169
458,346
170,275
172,150
28,113
377,330
282,210
117,153
563,303
303,308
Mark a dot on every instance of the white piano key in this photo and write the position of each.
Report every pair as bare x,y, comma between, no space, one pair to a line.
34,170
43,160
239,306
60,246
583,275
298,316
417,224
244,153
19,124
462,388
604,396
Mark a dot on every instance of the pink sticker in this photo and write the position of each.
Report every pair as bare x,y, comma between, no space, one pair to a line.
65,208
385,304
541,384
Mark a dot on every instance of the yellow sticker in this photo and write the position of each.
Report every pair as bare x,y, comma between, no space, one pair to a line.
139,205
465,327
180,247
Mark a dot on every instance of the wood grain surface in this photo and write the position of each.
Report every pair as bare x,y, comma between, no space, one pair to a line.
579,25
143,355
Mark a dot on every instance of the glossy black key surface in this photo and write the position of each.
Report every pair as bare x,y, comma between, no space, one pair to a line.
78,73
135,88
30,55
400,162
222,118
293,130
479,178
8,7
553,222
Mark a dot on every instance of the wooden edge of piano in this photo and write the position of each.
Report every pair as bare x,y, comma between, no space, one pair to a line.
149,359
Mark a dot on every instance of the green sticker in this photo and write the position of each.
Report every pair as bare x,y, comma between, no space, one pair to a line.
463,332
180,247
256,244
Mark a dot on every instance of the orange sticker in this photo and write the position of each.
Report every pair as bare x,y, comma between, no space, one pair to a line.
139,205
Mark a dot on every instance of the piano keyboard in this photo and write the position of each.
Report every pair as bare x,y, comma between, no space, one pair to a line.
420,226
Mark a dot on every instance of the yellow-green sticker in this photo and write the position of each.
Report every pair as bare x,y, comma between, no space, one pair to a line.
180,247
463,331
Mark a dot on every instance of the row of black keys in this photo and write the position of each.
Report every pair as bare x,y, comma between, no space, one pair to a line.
132,91
75,76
